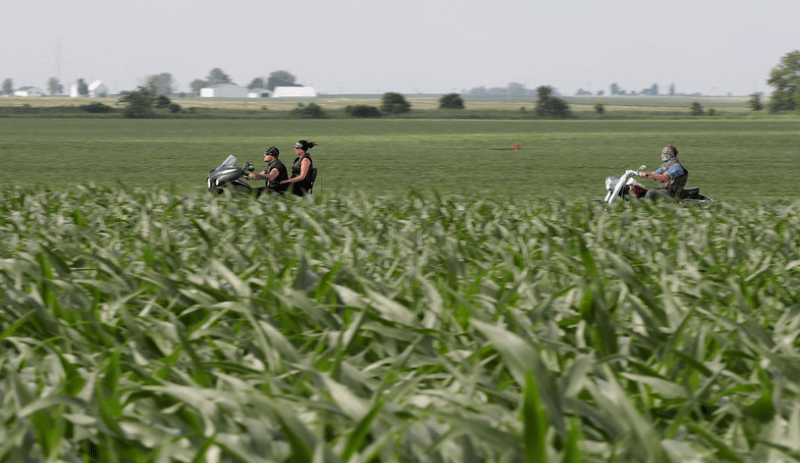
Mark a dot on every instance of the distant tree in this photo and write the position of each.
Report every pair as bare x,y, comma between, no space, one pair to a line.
582,92
311,111
83,89
671,90
281,79
139,103
614,89
362,110
163,83
755,102
54,86
197,85
478,91
162,101
599,108
601,93
258,82
697,109
451,101
652,91
394,103
8,87
550,106
217,76
786,80
516,89
96,107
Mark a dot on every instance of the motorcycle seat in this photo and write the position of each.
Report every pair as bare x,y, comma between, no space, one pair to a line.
690,193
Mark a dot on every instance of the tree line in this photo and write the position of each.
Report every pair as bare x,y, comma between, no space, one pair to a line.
164,84
217,76
784,78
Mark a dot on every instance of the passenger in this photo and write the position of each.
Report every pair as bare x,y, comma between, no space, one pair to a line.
274,174
671,174
301,168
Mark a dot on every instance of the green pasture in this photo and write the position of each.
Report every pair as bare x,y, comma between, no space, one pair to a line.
729,159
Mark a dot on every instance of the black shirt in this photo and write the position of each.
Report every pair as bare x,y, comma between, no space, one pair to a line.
300,188
283,174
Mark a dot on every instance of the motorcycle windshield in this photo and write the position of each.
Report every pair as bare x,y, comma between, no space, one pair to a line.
230,161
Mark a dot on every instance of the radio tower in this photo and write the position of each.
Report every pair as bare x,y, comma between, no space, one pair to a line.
58,59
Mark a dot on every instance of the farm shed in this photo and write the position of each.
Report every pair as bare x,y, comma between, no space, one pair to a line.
224,91
98,89
294,92
258,93
28,91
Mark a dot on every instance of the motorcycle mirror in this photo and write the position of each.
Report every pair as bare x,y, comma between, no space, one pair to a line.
251,168
642,167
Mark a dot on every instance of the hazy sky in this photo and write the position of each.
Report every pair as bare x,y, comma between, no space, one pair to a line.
429,46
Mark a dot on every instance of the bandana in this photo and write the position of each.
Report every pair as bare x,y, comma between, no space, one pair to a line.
669,153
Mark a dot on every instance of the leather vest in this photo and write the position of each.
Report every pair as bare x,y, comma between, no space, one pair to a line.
674,186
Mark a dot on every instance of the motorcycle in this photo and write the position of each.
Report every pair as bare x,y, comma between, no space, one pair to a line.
229,175
626,187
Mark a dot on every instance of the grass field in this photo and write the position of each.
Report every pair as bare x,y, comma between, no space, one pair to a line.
729,159
440,298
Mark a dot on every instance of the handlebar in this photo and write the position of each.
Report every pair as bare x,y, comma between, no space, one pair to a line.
637,172
622,181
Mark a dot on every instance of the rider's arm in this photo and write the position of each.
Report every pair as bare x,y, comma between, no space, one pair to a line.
673,171
263,175
305,164
654,176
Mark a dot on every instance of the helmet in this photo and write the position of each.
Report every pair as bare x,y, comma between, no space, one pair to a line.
272,151
668,153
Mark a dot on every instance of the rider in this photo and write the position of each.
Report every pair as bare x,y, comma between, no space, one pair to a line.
671,174
275,172
301,168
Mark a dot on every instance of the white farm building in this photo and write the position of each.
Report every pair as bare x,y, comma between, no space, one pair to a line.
294,92
98,89
258,93
28,91
224,91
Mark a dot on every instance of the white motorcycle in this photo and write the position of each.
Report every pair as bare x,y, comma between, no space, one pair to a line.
626,187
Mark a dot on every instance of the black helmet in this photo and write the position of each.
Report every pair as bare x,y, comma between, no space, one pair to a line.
273,151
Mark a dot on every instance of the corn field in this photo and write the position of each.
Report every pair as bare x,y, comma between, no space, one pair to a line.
140,326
